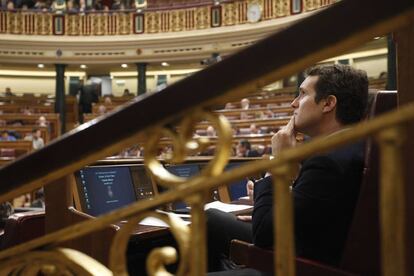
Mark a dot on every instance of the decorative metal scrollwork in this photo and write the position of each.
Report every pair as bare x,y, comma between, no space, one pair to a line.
184,142
159,256
60,261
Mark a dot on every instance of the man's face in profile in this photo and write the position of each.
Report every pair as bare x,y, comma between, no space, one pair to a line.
307,113
241,150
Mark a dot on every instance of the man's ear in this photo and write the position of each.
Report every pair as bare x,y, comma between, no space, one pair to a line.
330,103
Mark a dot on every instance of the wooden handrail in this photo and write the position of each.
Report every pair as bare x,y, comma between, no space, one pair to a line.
302,44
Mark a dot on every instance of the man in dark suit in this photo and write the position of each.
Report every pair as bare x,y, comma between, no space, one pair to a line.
244,149
327,187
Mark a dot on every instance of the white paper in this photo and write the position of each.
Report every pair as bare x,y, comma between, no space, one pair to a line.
244,198
151,221
226,207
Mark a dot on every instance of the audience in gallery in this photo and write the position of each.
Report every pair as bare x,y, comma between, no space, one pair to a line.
254,130
244,103
8,92
42,121
127,93
210,131
26,110
229,106
107,100
101,109
69,6
5,136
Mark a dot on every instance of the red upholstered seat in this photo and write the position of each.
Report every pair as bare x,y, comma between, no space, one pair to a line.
7,153
22,227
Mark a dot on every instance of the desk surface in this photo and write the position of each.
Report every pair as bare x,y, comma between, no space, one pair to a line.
144,232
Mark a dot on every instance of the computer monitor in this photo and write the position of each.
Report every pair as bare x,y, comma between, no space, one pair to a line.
237,189
144,187
101,189
183,170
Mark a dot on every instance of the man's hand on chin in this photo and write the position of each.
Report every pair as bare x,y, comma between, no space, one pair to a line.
285,138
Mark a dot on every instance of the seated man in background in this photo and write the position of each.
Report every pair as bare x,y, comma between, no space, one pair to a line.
327,186
244,149
8,92
37,139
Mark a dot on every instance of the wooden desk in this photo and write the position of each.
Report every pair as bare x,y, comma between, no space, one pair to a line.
144,232
98,244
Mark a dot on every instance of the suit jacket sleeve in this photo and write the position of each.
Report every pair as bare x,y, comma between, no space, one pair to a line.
313,191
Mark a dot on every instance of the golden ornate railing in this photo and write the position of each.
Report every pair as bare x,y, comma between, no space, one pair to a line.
322,39
177,19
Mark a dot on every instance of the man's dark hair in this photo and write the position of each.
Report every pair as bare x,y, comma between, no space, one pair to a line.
35,129
245,144
348,85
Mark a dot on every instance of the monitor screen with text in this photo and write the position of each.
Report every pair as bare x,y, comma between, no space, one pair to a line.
105,188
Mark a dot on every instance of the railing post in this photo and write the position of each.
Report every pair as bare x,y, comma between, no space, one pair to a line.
405,61
58,198
198,256
283,216
392,203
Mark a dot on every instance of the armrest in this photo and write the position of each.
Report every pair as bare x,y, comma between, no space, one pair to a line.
262,259
239,252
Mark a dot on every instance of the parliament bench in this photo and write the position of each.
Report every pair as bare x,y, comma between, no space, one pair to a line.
34,108
271,123
264,101
255,112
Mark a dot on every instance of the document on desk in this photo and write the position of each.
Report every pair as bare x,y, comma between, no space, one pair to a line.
227,207
151,221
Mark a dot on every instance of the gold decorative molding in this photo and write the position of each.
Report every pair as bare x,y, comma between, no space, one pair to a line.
193,39
156,21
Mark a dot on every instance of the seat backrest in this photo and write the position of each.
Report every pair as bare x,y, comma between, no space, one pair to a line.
362,250
22,227
96,244
7,152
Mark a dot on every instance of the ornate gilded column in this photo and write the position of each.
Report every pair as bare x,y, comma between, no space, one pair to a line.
142,78
60,95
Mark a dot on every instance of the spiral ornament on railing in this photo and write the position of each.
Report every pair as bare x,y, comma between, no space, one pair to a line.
59,261
159,257
184,142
